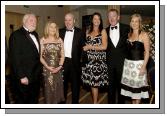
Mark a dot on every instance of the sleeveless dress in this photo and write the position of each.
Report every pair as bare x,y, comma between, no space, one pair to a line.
94,73
53,83
133,85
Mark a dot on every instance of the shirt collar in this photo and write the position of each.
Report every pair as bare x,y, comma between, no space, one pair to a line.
115,25
25,28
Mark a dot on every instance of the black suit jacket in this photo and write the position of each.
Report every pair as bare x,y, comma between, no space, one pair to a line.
6,51
77,46
116,55
25,58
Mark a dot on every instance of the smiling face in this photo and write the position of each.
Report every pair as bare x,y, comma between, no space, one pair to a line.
135,22
113,18
96,20
52,29
69,21
30,22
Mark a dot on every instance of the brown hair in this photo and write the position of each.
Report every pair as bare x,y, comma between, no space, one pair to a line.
46,30
101,22
140,24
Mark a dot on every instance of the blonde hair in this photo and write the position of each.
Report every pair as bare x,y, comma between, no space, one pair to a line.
46,29
140,24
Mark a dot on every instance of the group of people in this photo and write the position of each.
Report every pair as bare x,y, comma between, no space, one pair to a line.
115,57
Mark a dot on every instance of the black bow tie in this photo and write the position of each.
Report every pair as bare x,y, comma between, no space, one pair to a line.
69,30
115,27
30,32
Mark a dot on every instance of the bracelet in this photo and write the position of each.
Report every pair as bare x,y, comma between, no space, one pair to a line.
61,66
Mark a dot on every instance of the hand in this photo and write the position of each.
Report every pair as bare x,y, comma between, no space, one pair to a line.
57,69
142,71
24,81
87,47
51,69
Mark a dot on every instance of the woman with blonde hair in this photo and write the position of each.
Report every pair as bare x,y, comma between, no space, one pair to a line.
52,58
134,77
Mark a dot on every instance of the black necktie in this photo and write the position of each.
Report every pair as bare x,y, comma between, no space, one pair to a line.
115,27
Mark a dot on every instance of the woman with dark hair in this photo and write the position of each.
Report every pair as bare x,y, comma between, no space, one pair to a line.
94,73
134,76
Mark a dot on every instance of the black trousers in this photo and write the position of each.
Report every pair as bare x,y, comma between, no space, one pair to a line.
114,89
27,94
71,75
7,101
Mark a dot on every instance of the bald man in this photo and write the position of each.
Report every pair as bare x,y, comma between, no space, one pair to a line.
73,42
24,51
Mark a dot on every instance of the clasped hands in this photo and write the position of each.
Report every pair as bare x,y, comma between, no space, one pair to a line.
53,69
88,47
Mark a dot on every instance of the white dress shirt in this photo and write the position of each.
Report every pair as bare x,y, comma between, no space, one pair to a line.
34,39
114,35
68,39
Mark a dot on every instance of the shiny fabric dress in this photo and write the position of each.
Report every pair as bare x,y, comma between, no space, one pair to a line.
53,83
94,73
133,84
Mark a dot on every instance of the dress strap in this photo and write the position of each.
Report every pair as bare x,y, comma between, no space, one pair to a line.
42,40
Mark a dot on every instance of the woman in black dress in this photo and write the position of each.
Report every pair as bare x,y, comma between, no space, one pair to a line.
134,77
94,74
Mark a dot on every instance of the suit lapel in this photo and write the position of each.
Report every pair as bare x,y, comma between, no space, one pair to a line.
74,40
63,33
38,43
30,39
120,33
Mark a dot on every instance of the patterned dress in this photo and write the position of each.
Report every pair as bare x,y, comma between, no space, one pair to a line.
133,85
53,83
94,73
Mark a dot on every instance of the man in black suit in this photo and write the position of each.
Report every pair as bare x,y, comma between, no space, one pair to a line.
24,51
7,101
73,43
116,53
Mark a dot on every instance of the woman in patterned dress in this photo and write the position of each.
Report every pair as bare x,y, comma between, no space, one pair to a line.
134,77
94,73
52,58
